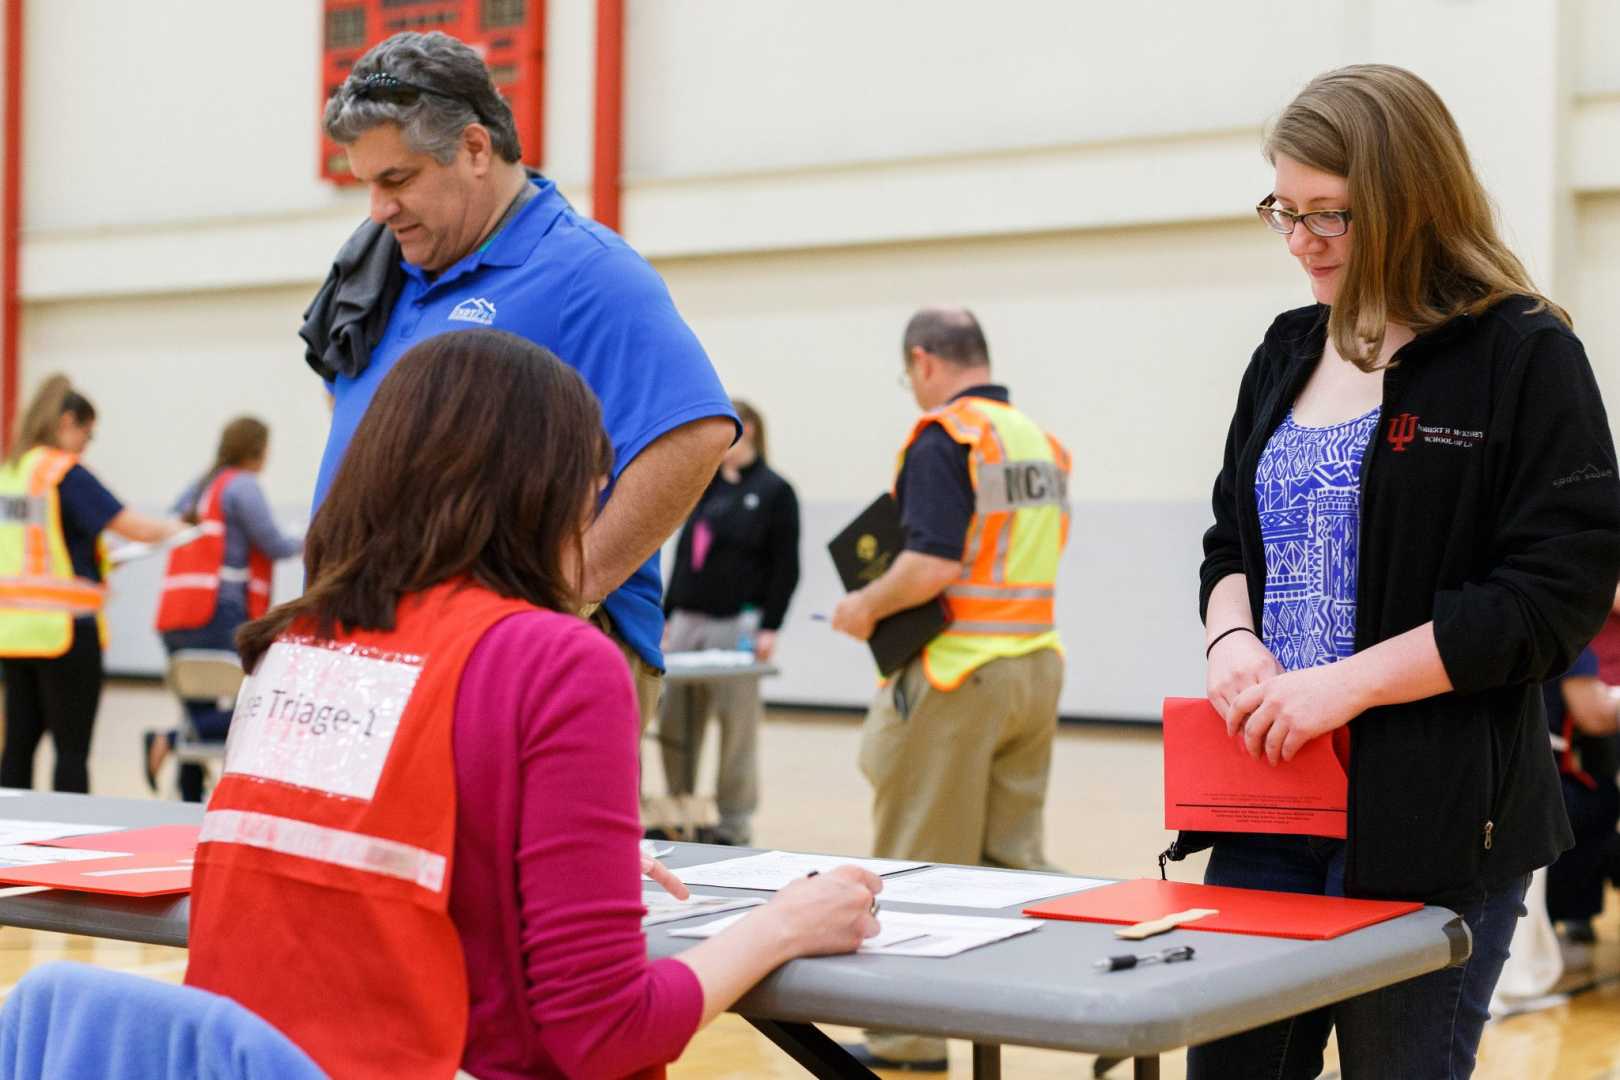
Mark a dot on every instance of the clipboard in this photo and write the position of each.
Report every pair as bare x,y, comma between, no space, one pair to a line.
862,552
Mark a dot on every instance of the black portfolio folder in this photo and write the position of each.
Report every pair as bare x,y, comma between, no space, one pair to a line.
862,552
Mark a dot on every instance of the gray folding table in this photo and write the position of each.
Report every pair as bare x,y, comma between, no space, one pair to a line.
682,813
1036,989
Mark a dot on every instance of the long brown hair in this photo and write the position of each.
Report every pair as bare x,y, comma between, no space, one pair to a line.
1425,243
54,399
244,440
479,457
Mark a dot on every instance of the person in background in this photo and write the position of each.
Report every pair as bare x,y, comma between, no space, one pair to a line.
1416,523
446,842
736,566
1606,646
52,514
1581,716
220,580
957,745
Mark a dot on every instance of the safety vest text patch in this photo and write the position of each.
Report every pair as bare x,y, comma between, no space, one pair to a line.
320,717
1015,485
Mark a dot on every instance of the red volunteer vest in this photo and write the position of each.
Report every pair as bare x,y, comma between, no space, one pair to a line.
191,584
322,883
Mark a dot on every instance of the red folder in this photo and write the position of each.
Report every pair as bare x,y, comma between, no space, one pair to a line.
151,873
1212,784
134,841
1242,911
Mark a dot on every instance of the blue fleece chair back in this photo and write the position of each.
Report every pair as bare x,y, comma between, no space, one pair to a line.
69,1021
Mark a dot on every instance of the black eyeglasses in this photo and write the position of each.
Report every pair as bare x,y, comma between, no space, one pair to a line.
381,86
1324,223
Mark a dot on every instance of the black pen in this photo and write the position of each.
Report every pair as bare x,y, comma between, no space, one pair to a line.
1127,961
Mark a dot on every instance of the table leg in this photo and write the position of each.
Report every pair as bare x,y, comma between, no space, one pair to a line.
986,1061
812,1048
1147,1068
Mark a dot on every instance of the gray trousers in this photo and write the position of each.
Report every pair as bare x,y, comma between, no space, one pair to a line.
685,715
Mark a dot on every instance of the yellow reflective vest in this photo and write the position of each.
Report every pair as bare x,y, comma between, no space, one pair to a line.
1003,604
40,595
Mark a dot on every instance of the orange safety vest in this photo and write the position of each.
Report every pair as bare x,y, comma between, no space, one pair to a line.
191,583
322,882
1004,602
40,595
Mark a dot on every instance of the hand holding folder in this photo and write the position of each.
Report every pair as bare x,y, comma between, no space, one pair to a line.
862,552
1212,784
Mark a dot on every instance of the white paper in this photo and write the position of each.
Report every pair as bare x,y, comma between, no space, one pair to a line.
651,849
33,832
38,854
704,658
772,870
663,908
961,886
911,933
12,793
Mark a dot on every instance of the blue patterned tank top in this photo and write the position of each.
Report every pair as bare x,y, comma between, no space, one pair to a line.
1308,489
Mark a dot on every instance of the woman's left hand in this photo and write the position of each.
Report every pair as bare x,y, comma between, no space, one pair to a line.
662,874
1282,714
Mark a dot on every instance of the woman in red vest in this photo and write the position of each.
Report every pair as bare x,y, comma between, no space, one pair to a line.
423,852
220,580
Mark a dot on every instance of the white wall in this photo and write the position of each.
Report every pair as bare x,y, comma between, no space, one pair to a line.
805,176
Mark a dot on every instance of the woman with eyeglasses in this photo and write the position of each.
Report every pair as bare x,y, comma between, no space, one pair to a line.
424,851
1417,521
53,512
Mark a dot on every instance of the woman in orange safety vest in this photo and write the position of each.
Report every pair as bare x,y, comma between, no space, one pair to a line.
52,515
423,853
220,580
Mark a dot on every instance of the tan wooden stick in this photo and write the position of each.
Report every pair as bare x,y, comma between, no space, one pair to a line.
1163,924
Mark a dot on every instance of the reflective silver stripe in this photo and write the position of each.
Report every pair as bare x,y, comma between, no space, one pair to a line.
999,628
191,581
211,528
998,569
1002,592
1015,485
234,574
339,847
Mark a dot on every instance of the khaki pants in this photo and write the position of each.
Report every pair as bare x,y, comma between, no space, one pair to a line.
960,776
686,713
649,681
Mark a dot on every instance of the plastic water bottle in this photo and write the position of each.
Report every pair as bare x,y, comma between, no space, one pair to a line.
747,627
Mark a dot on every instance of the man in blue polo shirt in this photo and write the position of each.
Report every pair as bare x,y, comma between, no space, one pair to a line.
462,236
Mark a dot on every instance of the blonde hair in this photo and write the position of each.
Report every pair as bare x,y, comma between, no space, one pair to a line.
54,399
1426,247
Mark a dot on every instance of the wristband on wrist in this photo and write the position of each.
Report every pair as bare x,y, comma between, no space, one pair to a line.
1224,633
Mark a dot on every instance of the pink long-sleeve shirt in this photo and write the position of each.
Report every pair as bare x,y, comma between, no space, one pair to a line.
546,883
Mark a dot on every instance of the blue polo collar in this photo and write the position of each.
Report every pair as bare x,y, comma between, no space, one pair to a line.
510,247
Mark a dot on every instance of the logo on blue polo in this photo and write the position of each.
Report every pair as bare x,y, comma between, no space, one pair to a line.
477,310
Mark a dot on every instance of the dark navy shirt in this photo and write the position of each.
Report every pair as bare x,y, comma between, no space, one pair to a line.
562,281
935,488
87,507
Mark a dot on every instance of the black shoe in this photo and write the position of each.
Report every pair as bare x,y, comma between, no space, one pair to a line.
709,834
863,1054
147,739
1580,932
657,833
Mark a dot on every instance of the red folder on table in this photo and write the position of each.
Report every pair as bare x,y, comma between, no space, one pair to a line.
1240,911
182,838
1212,784
148,873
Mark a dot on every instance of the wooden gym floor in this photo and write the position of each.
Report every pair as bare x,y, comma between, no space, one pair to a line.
1102,818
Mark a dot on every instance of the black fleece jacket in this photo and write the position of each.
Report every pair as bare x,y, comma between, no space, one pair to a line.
1489,504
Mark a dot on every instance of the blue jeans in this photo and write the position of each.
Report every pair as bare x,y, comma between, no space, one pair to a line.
1427,1028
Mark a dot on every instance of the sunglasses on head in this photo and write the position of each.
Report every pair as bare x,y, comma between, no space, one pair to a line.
381,86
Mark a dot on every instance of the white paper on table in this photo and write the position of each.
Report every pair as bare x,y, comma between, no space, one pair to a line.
772,870
12,793
38,855
33,832
650,848
708,658
663,908
912,933
963,886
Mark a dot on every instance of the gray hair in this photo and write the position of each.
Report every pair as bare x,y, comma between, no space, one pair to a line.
462,94
950,333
